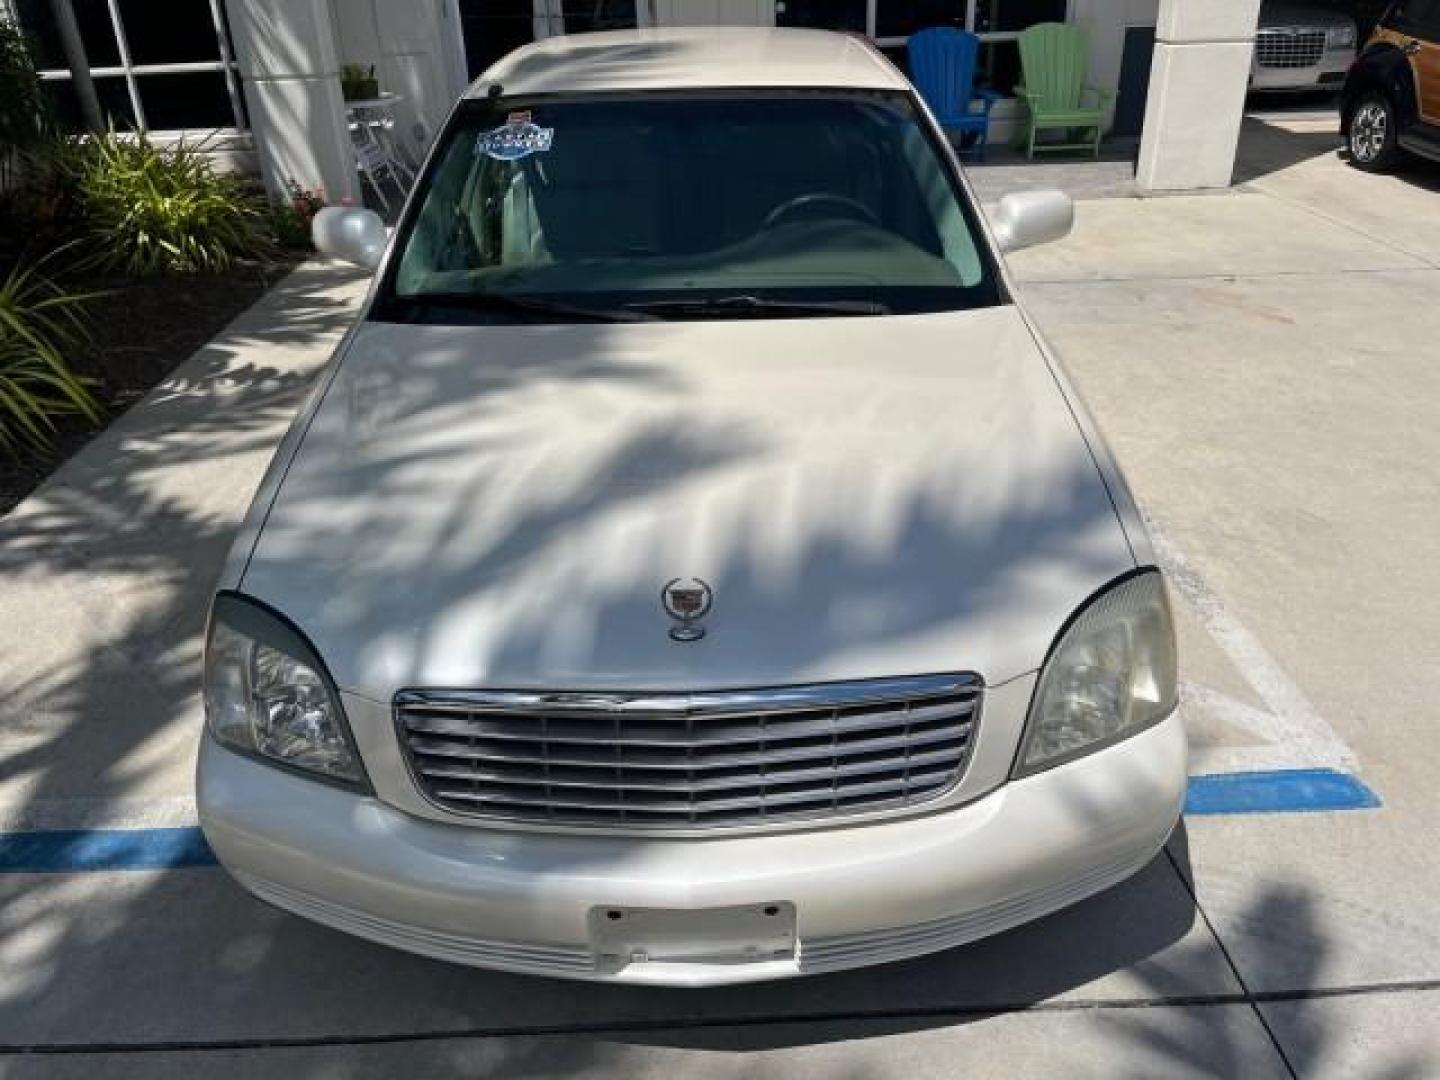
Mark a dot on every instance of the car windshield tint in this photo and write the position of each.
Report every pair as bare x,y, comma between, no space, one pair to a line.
772,204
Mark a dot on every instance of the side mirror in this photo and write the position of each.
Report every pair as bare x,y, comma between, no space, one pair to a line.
350,233
1027,218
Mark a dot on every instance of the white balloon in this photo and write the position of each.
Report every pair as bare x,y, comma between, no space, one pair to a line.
351,233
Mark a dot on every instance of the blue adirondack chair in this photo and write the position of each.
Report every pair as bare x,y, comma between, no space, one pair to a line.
942,67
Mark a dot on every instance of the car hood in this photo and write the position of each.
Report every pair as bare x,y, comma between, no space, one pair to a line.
500,507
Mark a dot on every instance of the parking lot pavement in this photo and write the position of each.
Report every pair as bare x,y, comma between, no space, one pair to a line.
184,956
1275,416
105,572
1263,365
1359,1036
1112,177
1292,160
1221,1041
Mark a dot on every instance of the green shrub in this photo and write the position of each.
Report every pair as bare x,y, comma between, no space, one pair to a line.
158,210
37,211
42,208
23,111
40,323
357,82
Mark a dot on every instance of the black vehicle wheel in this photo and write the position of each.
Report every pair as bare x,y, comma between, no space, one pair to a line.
1371,136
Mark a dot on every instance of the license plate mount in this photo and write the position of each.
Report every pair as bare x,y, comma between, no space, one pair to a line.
742,934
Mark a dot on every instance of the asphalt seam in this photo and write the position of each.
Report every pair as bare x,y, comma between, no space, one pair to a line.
1137,279
1234,967
1349,226
622,1027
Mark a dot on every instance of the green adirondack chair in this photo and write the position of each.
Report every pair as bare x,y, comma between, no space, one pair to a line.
1054,57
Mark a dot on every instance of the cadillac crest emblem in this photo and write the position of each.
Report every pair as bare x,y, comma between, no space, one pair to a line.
687,601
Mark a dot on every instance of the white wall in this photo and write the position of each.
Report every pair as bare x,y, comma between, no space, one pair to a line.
288,59
715,12
357,33
409,45
1106,21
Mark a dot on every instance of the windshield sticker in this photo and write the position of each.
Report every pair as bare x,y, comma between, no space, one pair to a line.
518,138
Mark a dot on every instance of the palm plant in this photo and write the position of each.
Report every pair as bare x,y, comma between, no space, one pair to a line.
40,324
165,210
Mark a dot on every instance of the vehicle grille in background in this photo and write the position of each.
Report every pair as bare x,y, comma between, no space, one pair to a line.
1286,49
691,761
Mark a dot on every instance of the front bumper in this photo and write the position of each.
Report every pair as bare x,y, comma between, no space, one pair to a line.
529,901
1329,73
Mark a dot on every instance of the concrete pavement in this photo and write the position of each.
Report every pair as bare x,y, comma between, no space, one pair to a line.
1138,1042
106,568
1262,363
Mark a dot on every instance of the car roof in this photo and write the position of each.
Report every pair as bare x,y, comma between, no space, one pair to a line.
690,58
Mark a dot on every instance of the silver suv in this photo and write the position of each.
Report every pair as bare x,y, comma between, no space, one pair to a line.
1299,47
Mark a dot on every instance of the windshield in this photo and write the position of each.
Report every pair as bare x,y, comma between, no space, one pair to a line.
785,204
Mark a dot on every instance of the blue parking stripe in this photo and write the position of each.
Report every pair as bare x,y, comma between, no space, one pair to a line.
1287,791
103,849
1277,792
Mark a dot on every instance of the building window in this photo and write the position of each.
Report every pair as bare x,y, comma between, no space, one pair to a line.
156,66
844,15
891,22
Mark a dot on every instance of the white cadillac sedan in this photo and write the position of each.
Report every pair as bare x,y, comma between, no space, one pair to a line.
693,567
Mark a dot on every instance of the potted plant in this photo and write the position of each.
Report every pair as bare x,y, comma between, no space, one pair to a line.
357,82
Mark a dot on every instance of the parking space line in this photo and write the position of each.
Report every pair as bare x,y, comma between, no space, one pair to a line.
1292,725
103,849
1287,791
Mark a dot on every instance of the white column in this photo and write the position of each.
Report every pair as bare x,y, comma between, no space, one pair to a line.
413,48
1197,93
715,12
414,53
289,63
452,41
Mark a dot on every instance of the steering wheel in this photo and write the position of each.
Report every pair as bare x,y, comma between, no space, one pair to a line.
847,206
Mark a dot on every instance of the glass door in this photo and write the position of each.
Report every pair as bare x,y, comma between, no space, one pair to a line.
492,28
852,16
583,16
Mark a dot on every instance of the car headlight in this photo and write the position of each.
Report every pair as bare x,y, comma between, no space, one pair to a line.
1111,674
1340,36
268,695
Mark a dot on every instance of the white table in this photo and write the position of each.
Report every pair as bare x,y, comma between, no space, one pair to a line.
375,117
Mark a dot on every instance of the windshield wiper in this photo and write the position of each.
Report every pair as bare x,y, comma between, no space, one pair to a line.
527,306
757,306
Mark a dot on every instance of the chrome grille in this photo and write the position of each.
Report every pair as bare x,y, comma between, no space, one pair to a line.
690,761
1289,48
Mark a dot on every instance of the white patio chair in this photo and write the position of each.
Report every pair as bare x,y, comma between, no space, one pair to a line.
372,161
